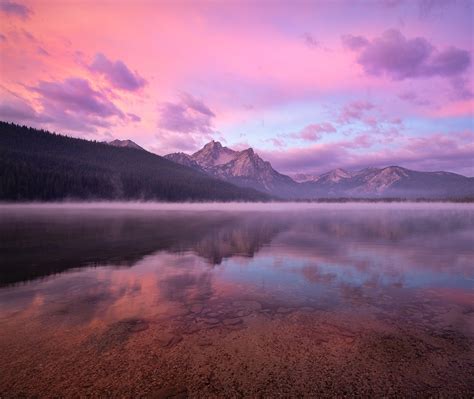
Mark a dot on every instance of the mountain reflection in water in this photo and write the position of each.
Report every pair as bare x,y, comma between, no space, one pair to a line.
117,280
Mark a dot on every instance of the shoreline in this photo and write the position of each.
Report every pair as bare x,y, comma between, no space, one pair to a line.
231,206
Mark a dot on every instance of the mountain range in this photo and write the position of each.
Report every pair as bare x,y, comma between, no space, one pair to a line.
36,165
246,168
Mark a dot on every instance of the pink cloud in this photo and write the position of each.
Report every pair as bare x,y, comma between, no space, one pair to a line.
315,131
278,69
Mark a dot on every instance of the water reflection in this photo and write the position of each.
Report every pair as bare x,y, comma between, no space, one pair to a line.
40,243
94,279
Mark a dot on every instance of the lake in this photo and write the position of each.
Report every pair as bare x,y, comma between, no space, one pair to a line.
235,300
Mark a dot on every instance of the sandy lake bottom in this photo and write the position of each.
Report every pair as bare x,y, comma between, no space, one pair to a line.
317,301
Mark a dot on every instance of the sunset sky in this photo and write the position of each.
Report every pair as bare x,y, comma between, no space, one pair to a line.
310,85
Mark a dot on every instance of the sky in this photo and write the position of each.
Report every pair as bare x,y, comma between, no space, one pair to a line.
310,85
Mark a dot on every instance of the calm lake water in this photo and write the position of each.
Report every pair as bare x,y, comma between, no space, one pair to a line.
237,300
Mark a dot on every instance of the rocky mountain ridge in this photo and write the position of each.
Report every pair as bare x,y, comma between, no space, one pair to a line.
246,168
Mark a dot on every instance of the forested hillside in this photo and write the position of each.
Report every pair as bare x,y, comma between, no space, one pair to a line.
36,165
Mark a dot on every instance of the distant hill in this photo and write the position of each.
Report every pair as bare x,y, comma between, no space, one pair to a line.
36,165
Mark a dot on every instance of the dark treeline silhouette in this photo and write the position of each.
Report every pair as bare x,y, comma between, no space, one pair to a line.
36,165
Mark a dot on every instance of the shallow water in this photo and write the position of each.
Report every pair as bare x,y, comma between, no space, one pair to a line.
237,300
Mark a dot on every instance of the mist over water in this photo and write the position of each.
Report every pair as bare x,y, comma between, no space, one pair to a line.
120,277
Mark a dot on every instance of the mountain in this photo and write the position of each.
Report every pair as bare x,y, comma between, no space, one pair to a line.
392,181
36,165
243,168
184,159
125,144
333,177
246,169
303,177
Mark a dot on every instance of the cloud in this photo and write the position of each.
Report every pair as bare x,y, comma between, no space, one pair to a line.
15,9
462,88
314,132
354,42
3,38
134,118
76,95
427,7
400,58
19,110
310,41
412,97
117,73
355,110
276,142
74,104
42,51
453,152
183,125
188,115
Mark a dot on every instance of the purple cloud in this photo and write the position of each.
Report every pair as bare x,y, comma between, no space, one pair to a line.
3,38
354,42
449,62
309,40
117,73
188,115
19,110
436,152
15,9
400,58
411,97
40,50
315,131
76,95
355,110
183,125
462,88
74,104
134,118
427,7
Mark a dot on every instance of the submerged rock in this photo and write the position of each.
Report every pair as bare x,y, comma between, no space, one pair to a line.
232,322
168,339
196,308
247,305
135,325
212,321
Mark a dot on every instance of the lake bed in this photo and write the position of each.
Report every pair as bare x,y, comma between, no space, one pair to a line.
213,300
